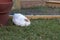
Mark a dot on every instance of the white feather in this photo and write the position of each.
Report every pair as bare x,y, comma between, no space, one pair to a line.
19,20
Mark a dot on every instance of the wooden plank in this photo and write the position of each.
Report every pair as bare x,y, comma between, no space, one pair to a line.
41,16
53,3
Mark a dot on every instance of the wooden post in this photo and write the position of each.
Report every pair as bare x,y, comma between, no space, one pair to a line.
16,4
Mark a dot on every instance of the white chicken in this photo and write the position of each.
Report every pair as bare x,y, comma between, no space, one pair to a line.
20,20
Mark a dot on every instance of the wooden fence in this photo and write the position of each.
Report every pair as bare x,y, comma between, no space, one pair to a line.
26,4
19,4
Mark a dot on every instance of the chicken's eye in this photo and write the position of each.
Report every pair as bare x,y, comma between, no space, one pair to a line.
26,20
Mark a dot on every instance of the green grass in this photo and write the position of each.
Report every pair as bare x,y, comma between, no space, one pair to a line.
41,29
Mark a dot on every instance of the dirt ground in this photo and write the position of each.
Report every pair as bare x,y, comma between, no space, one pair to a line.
40,11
